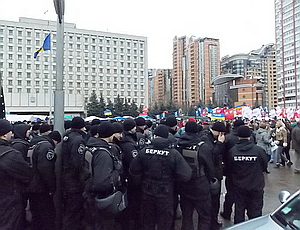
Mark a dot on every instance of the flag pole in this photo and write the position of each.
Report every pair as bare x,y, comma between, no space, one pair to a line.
50,87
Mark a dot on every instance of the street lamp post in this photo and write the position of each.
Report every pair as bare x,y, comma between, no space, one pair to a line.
59,93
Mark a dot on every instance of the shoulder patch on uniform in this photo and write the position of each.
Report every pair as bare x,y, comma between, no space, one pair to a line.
65,138
134,153
81,149
50,154
141,142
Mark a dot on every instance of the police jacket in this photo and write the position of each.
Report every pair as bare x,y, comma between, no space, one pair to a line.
172,138
247,162
19,142
15,175
129,147
141,139
73,148
216,149
199,183
105,175
43,164
159,167
230,140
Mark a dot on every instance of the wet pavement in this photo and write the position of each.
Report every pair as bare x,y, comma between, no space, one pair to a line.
279,179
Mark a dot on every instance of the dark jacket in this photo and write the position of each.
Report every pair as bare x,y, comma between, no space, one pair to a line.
19,142
247,162
72,150
105,173
216,149
200,184
15,175
159,167
129,147
296,137
43,159
141,139
172,138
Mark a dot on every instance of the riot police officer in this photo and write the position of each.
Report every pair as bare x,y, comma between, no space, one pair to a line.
43,185
72,150
158,166
15,175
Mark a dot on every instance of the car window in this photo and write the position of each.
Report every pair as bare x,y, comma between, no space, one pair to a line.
289,215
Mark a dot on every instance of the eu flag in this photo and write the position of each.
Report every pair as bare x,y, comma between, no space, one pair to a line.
46,46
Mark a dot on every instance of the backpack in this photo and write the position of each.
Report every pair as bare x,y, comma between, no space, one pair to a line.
190,154
31,150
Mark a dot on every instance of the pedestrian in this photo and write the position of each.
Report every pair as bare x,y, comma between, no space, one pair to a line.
247,163
15,176
43,185
215,138
72,150
296,146
281,142
195,193
158,166
264,140
105,177
171,123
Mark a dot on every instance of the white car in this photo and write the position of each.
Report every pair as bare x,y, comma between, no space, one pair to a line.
287,216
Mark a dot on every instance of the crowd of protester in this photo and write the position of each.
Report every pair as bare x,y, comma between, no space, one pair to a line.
139,174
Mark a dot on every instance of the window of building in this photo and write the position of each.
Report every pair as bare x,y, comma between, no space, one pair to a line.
9,82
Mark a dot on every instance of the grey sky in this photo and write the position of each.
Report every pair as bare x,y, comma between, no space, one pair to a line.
241,25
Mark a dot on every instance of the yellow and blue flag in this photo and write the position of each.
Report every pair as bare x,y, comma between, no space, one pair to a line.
46,46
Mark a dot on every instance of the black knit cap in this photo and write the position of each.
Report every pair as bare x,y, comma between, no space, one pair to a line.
55,135
219,126
94,130
95,122
191,127
238,123
149,123
106,129
36,126
45,128
162,131
118,127
129,124
67,124
140,121
243,131
171,121
77,123
5,127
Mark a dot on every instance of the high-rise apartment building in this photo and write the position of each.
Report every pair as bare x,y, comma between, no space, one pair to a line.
196,61
259,65
160,90
287,26
111,64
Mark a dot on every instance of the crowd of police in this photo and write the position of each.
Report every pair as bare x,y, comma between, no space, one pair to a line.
70,182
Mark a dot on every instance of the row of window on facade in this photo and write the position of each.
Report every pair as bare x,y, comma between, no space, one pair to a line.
79,38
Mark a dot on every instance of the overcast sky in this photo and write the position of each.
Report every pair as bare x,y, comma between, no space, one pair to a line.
241,25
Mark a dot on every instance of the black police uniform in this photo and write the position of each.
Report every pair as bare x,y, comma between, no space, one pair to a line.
43,185
247,162
15,175
73,148
19,142
104,179
130,149
230,140
216,149
195,194
159,166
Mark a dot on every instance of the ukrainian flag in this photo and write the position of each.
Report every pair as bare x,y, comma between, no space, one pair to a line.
46,46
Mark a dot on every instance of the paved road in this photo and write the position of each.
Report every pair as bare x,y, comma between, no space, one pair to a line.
279,179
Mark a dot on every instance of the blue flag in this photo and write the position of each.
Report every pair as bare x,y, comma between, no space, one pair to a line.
46,46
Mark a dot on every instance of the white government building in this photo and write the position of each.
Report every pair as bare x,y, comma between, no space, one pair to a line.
108,63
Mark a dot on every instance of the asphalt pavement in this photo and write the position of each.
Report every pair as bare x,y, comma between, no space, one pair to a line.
279,179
